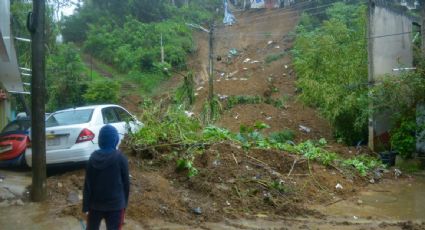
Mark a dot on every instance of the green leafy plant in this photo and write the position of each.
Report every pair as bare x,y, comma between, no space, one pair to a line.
211,111
331,68
102,92
282,137
185,94
274,57
185,164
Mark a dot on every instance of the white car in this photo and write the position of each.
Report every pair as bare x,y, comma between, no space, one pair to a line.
72,134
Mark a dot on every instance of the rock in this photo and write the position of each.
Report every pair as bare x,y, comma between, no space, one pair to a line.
5,194
372,181
197,210
60,185
73,198
19,202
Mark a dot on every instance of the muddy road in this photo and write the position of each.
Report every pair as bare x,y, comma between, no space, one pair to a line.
389,204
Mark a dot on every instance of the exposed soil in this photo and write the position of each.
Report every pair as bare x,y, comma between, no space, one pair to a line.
237,189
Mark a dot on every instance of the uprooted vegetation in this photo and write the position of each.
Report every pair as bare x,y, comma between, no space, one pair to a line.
181,169
171,131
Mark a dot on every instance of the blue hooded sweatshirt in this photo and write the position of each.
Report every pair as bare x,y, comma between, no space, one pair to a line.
106,186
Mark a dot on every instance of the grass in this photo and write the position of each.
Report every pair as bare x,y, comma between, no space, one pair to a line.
274,57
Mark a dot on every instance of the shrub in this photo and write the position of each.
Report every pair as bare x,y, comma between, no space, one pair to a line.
102,92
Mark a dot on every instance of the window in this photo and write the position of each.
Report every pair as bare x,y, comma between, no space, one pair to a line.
109,115
123,115
70,117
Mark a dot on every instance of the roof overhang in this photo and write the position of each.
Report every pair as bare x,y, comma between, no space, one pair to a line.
10,77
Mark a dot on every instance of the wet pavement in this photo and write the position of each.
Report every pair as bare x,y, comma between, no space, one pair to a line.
389,200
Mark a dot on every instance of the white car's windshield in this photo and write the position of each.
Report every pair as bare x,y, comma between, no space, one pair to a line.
70,117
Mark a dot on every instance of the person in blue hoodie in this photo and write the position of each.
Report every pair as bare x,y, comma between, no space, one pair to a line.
106,186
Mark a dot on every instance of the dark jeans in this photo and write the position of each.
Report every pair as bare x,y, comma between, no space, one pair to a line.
114,219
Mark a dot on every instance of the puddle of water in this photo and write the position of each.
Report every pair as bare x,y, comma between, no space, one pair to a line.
399,200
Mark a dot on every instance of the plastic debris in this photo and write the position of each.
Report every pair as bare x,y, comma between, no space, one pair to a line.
201,87
197,210
227,202
304,129
286,66
338,186
397,173
222,97
229,18
277,47
246,60
188,113
355,217
255,61
233,52
269,42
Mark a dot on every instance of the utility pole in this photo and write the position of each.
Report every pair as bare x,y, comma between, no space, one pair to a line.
36,26
211,69
370,40
162,51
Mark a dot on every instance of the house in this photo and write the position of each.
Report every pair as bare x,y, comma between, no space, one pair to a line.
390,46
10,78
269,4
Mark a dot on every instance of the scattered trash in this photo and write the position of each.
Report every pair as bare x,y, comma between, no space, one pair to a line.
233,52
372,181
60,185
338,186
188,113
233,73
216,162
237,116
255,61
277,47
196,94
359,202
246,60
397,173
304,129
259,215
243,79
197,210
227,202
377,174
222,97
286,66
355,217
268,118
201,87
222,74
269,42
245,68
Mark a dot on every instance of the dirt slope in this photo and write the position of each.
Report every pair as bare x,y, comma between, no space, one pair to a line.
261,68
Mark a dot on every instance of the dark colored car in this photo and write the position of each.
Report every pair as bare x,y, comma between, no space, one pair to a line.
14,140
